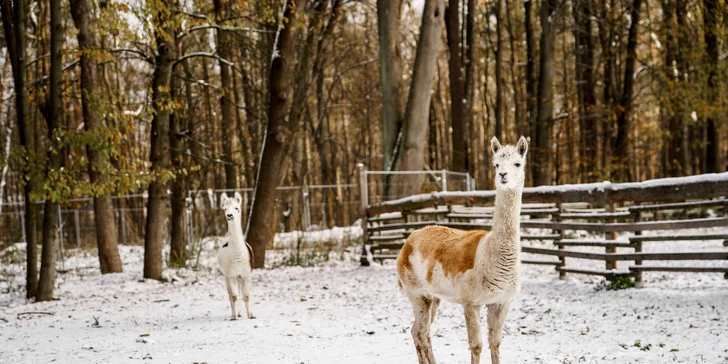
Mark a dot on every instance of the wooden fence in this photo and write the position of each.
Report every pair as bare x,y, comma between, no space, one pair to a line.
668,207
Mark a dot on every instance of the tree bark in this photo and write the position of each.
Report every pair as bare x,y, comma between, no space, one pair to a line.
222,12
531,80
585,83
470,84
682,60
278,136
84,14
179,185
500,114
156,226
457,97
51,236
609,94
714,160
13,16
621,171
411,156
389,13
542,151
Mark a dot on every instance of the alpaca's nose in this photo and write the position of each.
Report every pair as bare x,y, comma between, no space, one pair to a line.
503,175
229,216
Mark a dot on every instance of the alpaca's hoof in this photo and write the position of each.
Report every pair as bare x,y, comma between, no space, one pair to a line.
251,317
233,318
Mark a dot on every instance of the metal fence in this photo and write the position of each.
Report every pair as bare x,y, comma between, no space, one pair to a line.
381,186
77,225
298,208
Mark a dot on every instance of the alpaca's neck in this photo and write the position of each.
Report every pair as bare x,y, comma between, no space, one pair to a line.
235,232
507,215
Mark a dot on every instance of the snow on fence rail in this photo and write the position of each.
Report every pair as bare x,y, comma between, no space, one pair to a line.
663,190
554,210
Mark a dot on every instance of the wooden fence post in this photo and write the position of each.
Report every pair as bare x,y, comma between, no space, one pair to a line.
364,198
611,236
557,218
638,249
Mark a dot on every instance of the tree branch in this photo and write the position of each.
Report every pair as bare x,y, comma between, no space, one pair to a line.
203,54
143,55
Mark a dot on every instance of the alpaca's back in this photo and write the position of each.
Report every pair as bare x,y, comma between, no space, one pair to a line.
435,259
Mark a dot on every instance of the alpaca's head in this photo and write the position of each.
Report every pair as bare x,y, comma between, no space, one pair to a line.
231,206
509,163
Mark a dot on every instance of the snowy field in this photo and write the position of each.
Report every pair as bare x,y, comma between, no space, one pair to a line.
343,313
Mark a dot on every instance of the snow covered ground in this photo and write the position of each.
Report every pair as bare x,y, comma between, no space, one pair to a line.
342,313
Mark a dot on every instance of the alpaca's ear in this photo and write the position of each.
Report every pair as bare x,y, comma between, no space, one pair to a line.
522,146
495,145
238,198
223,199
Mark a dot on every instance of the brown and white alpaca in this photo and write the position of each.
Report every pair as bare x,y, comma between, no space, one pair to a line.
235,257
471,268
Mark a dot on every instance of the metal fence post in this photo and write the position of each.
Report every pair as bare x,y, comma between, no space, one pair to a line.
444,180
123,226
60,236
306,208
467,182
364,199
78,229
22,224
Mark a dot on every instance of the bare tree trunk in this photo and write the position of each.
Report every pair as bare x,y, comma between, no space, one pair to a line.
278,136
156,226
620,172
9,132
13,16
178,242
585,83
390,73
606,35
714,159
543,153
672,81
682,60
223,11
520,124
500,113
531,81
457,99
91,95
411,156
51,238
470,83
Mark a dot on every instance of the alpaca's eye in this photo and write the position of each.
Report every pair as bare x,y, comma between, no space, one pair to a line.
518,165
497,165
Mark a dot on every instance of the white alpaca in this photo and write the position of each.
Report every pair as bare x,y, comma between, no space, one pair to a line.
472,268
235,257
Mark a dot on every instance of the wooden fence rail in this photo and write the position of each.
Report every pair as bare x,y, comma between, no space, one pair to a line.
677,189
557,209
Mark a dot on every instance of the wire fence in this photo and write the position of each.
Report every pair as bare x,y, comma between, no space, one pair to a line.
382,185
77,225
298,208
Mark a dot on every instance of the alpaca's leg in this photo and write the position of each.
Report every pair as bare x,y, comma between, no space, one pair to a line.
472,321
422,307
245,283
496,318
433,309
232,287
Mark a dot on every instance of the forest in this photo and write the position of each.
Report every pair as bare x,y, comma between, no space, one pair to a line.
159,97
